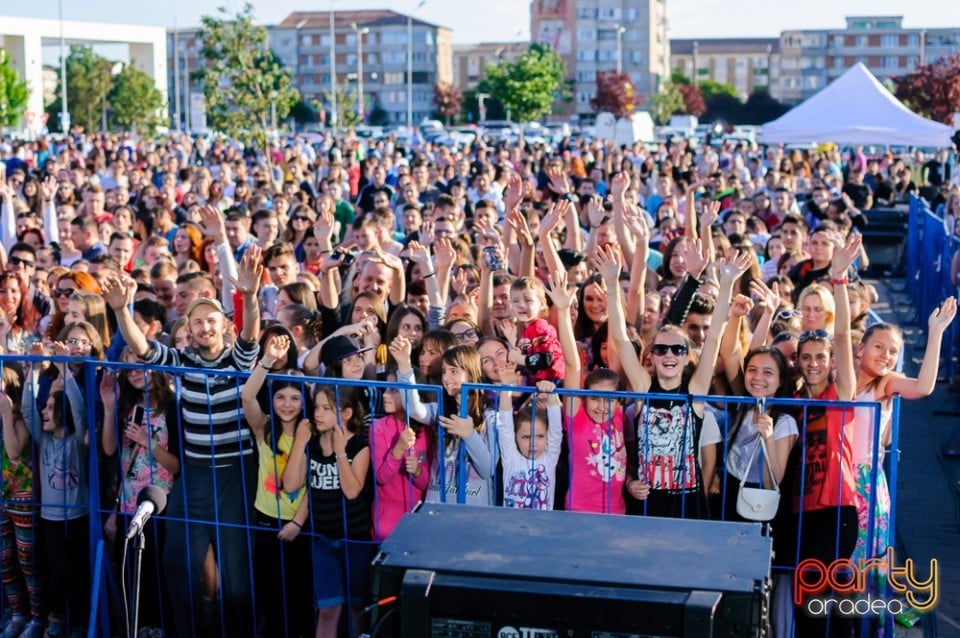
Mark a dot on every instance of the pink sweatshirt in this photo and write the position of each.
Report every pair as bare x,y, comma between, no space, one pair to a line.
397,491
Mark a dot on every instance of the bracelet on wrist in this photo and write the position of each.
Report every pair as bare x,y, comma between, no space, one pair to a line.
839,281
296,523
341,456
428,276
265,365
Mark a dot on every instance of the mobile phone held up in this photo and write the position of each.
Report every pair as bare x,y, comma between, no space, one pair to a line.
494,262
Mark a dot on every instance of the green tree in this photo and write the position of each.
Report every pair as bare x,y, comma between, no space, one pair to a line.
136,101
347,116
244,83
667,102
528,87
13,93
88,84
710,89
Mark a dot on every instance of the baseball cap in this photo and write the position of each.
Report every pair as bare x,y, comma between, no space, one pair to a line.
339,347
204,301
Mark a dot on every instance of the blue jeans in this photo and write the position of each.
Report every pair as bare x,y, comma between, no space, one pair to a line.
217,503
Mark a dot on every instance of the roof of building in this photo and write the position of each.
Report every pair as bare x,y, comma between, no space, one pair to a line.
724,45
345,19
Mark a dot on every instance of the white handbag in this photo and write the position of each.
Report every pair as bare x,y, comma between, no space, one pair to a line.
758,503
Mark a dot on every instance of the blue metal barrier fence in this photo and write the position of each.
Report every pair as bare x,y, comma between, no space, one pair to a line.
388,478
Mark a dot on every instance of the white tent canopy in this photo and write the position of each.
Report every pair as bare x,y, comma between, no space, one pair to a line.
855,109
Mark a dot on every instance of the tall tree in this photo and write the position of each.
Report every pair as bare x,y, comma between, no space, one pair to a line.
932,90
667,102
528,87
711,89
88,84
13,93
692,99
136,101
615,94
347,116
448,99
244,83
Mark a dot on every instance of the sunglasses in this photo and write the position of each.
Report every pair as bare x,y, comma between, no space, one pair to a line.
17,261
786,315
300,218
814,335
782,337
661,349
63,292
463,336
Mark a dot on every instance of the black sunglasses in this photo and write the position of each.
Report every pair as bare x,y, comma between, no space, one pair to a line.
814,335
660,349
63,292
16,261
300,218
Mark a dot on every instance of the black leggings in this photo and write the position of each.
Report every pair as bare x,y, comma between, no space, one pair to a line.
66,569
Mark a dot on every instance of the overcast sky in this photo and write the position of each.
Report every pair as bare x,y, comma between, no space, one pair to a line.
493,20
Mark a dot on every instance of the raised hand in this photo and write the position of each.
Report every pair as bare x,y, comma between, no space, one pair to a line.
401,349
636,223
212,224
443,253
845,254
418,253
595,211
460,282
692,251
553,217
618,185
339,439
518,224
426,232
557,289
323,227
710,214
509,375
108,392
610,264
513,193
249,271
558,181
732,269
941,317
741,306
769,297
276,349
507,328
115,292
48,188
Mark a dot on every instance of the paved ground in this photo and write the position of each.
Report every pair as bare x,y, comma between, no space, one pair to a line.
928,517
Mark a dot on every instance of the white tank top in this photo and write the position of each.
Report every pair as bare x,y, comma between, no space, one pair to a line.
863,427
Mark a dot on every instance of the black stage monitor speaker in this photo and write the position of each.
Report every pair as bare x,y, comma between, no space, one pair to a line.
479,572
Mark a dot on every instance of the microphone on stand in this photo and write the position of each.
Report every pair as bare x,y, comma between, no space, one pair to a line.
151,500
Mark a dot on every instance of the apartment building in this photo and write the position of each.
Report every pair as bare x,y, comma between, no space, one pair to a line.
811,59
469,60
746,64
603,35
369,44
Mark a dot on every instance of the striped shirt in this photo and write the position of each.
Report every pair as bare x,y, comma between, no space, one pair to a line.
213,428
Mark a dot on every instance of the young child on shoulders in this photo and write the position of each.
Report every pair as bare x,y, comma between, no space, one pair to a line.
538,348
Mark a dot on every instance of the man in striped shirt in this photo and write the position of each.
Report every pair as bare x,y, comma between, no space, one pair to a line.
218,475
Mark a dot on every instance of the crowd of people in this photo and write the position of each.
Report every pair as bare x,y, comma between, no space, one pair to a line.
249,293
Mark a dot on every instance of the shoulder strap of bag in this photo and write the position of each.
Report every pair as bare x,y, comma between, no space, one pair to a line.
773,477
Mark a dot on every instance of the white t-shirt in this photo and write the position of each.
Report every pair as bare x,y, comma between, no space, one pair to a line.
747,445
530,483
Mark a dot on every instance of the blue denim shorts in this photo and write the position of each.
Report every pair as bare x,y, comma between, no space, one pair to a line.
339,567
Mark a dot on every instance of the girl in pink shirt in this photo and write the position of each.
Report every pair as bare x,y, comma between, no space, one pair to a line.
400,453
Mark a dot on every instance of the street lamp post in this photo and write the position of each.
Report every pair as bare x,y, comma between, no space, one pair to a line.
64,113
410,66
299,25
620,31
333,71
360,33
